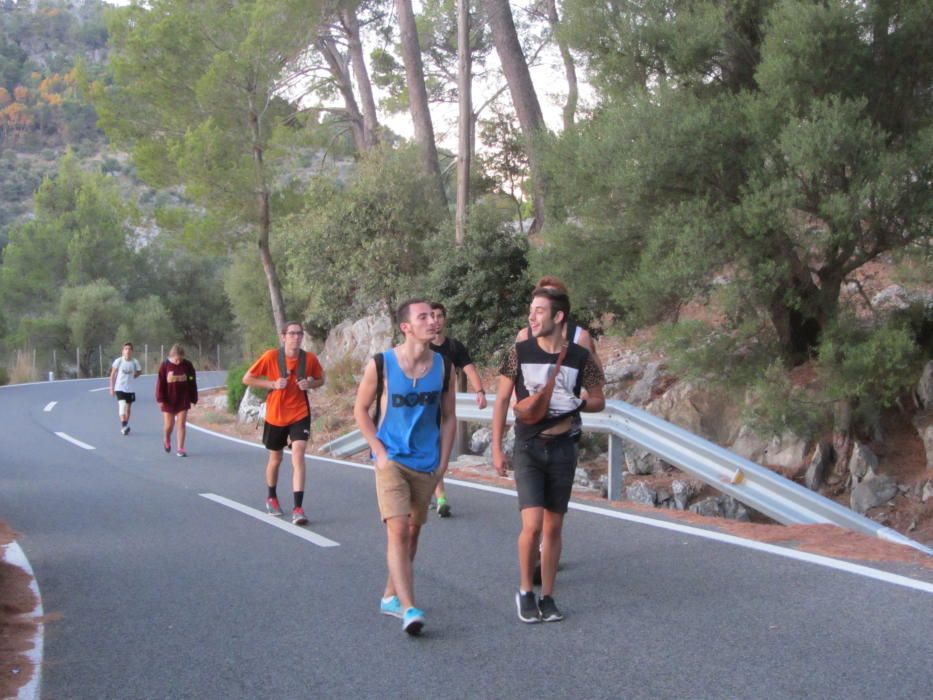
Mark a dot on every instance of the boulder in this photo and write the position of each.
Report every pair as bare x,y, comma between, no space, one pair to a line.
360,339
480,440
251,408
639,461
700,410
923,422
862,462
872,491
721,506
644,388
217,402
682,491
924,390
927,492
640,492
822,458
787,450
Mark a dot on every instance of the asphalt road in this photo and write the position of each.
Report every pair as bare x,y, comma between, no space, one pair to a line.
157,591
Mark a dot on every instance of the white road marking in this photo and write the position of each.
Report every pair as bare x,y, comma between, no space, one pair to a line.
83,445
296,530
819,560
49,406
103,388
13,554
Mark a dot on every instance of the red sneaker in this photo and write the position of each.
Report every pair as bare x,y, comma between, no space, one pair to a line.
298,517
272,506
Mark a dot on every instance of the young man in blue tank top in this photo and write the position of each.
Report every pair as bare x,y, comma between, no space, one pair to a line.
411,447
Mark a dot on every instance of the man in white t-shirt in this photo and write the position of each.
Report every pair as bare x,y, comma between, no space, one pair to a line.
123,374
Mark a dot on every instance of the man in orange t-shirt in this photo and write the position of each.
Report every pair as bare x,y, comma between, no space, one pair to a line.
288,413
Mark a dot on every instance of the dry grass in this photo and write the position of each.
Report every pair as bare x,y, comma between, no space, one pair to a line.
22,369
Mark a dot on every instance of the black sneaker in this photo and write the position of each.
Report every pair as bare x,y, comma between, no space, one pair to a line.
527,607
549,611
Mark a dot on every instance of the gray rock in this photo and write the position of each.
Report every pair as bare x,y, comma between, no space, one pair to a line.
871,492
641,493
218,402
360,339
862,462
251,408
822,457
927,492
924,388
682,492
508,445
644,388
923,422
639,461
721,506
480,440
787,450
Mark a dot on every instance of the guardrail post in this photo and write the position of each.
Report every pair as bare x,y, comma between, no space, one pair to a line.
616,455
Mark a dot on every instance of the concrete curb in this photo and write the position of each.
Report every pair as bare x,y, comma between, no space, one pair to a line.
13,554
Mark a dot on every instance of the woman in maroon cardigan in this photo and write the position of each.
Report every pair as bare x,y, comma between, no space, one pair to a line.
176,390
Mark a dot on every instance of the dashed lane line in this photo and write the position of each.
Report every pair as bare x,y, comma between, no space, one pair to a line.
49,406
296,530
73,441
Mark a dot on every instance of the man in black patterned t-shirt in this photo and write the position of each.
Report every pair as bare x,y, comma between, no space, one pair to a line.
545,452
460,358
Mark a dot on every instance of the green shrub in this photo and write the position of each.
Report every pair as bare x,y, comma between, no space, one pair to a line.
236,388
342,375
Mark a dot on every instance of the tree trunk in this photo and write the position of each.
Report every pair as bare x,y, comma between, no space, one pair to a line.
337,65
570,107
524,97
265,223
464,145
418,97
351,27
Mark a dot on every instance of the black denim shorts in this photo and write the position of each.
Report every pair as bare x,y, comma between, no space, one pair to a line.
544,471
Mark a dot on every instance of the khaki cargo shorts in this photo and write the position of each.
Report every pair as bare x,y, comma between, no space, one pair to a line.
404,491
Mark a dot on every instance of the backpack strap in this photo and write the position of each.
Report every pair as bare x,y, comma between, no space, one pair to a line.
300,370
448,363
379,360
283,370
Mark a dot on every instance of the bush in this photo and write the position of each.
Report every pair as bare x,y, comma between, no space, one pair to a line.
342,375
484,284
235,386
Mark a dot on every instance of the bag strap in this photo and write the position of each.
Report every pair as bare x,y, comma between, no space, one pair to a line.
300,370
552,380
380,361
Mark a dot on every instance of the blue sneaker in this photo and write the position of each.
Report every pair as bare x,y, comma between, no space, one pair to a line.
413,621
391,606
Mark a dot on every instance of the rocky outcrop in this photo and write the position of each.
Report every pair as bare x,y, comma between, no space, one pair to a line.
251,408
821,459
862,463
358,340
924,389
699,409
787,450
923,422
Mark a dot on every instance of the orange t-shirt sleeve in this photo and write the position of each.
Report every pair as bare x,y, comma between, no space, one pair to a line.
266,366
313,367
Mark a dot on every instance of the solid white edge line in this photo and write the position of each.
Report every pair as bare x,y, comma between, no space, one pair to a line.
49,406
296,530
103,388
818,559
73,441
14,554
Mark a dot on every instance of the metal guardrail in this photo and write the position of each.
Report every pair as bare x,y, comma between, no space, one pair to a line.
755,486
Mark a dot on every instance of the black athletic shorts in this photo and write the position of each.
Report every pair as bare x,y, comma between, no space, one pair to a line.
127,396
276,437
544,471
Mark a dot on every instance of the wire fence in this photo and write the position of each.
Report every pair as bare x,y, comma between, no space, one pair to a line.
48,364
